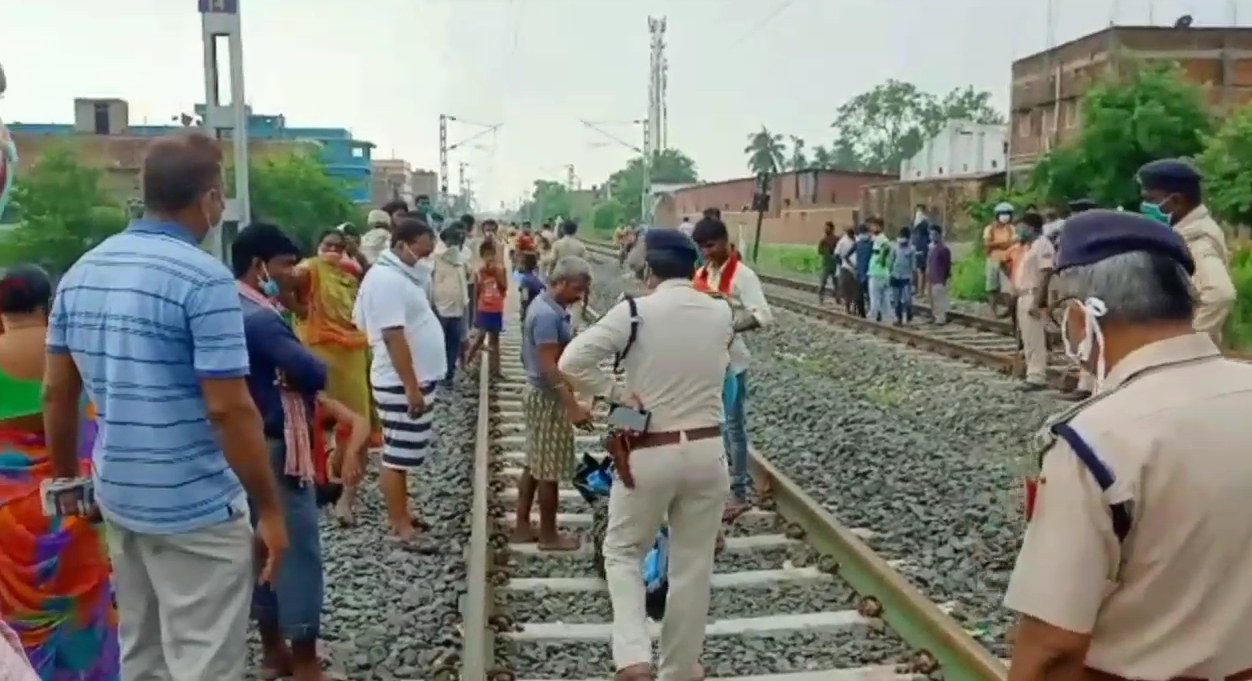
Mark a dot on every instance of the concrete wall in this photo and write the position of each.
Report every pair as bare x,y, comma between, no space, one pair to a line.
795,191
121,158
962,148
946,199
790,226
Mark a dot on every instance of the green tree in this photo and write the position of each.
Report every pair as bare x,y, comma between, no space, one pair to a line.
963,104
765,152
548,201
878,129
298,194
669,166
1151,112
798,160
606,216
1227,166
63,212
823,159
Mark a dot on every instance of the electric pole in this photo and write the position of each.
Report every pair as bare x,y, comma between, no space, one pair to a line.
463,187
444,147
571,180
657,81
645,207
220,19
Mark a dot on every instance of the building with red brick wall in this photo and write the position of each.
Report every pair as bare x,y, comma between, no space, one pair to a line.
1047,87
800,201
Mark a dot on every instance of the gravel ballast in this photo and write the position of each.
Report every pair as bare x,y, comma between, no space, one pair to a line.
926,452
392,613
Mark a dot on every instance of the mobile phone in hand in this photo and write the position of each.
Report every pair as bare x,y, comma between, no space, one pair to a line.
66,497
627,418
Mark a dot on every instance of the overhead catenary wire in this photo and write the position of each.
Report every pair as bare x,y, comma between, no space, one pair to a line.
763,22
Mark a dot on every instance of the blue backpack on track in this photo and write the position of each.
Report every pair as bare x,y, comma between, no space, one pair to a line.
593,481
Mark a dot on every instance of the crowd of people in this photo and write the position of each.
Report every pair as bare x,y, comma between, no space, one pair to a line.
877,278
171,427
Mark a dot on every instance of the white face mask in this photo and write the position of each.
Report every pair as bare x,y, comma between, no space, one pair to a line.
1092,309
1004,219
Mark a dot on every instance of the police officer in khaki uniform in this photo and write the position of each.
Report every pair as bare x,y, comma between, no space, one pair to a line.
674,369
1171,194
1029,282
1137,560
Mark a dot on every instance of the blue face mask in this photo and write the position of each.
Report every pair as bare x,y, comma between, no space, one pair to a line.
269,287
1155,212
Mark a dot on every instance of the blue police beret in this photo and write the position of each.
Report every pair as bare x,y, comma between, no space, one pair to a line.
1169,174
665,242
1097,235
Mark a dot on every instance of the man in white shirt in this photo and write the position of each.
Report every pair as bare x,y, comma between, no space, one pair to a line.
409,360
725,273
685,227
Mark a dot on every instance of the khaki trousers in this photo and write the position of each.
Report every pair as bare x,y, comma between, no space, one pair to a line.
1034,340
183,601
688,483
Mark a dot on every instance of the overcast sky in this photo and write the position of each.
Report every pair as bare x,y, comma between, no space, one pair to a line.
386,69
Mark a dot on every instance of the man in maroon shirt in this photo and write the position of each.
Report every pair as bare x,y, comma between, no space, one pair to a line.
938,272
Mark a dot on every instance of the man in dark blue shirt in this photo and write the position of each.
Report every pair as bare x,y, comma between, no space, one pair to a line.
283,377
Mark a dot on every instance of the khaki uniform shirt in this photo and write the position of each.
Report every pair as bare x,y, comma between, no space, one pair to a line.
1000,237
677,364
1207,244
1175,597
563,247
1036,260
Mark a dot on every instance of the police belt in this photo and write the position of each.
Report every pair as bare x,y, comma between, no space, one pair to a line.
673,437
1098,675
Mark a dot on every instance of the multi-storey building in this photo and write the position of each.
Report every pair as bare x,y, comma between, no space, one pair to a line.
1047,87
104,138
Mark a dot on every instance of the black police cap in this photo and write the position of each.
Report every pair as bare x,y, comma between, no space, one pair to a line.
671,243
1081,205
1098,235
1169,174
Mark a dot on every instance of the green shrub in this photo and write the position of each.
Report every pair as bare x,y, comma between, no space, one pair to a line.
1238,332
968,279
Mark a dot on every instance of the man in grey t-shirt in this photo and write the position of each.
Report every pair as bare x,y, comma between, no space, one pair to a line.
549,405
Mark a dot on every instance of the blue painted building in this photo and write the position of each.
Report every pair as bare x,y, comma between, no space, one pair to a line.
346,158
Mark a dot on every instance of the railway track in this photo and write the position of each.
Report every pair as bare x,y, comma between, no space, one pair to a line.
981,340
796,595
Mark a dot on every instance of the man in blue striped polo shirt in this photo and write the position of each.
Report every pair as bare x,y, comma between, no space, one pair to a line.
151,326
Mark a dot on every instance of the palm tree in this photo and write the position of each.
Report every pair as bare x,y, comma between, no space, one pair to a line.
822,158
765,152
798,161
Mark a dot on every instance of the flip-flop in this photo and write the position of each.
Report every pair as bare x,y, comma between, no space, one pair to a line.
416,543
420,525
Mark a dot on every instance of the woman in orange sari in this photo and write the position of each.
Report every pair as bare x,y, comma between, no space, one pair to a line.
328,285
55,590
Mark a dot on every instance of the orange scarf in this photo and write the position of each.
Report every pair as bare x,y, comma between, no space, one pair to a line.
727,277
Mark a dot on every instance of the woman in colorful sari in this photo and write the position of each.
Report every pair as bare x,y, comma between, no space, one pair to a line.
328,285
54,576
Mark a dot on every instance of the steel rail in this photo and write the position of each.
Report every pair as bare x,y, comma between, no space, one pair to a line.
940,640
941,644
478,641
1009,364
